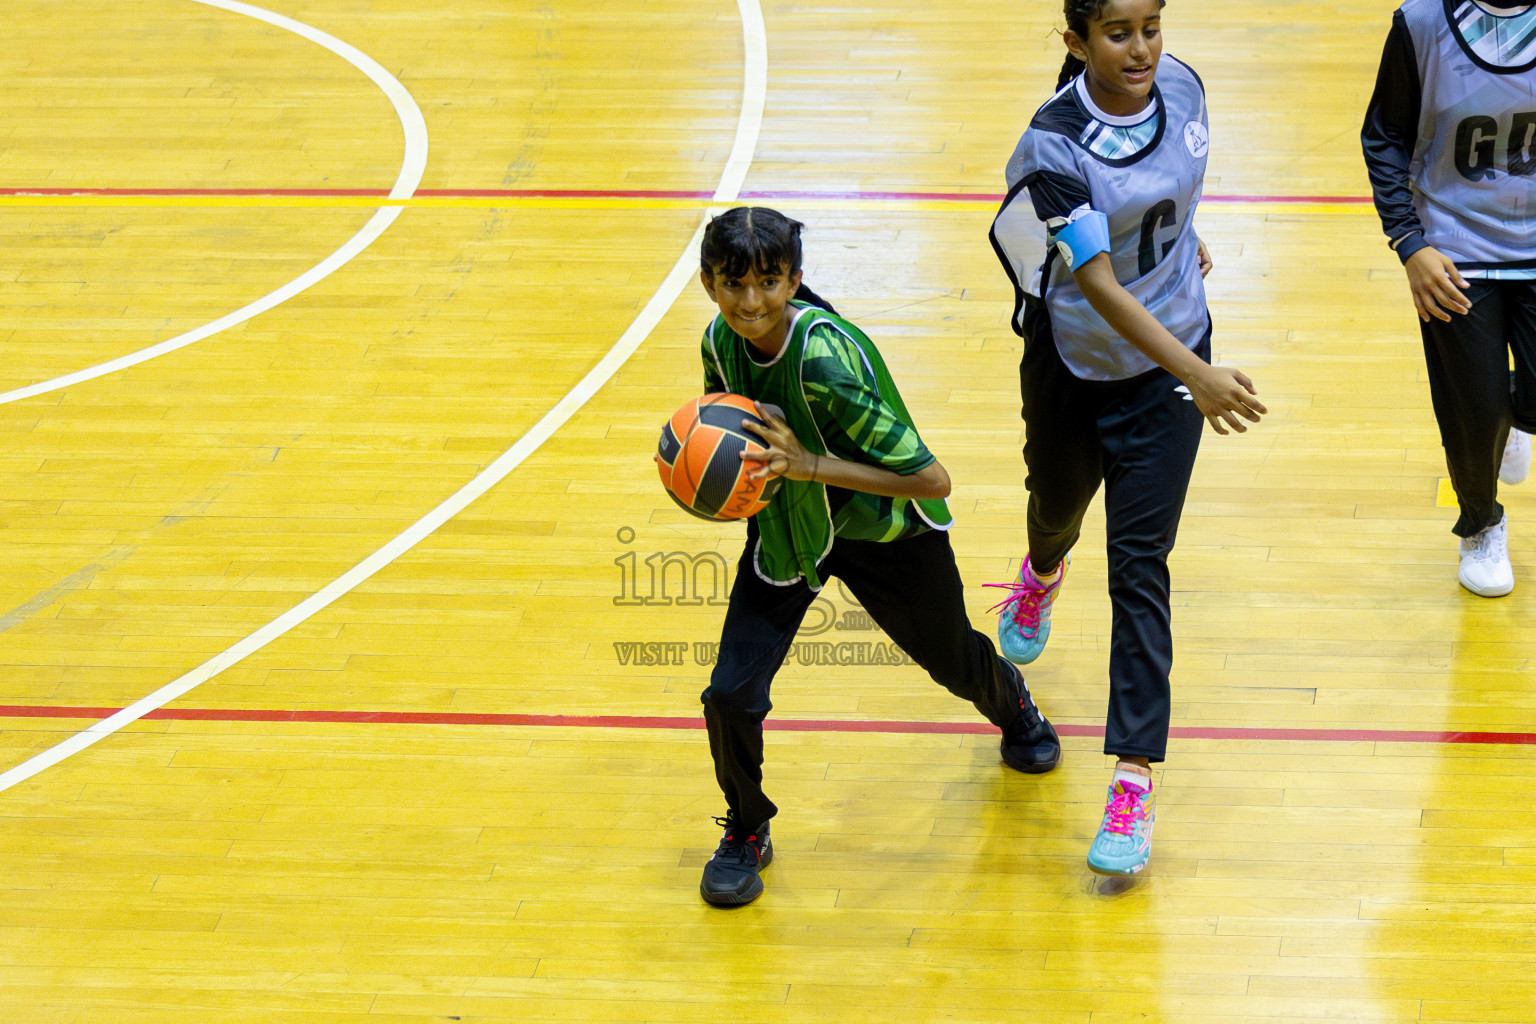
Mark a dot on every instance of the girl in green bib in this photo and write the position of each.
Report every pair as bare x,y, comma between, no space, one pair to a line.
861,499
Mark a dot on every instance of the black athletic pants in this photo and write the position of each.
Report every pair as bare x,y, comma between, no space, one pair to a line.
1475,397
1138,437
910,588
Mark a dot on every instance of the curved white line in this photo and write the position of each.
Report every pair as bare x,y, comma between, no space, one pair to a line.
748,127
754,94
412,166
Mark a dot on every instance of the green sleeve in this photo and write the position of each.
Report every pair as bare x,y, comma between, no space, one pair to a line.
855,420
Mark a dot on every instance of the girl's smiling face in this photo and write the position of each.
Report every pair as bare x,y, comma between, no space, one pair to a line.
1121,53
754,304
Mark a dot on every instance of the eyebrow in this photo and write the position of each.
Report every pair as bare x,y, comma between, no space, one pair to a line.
1127,21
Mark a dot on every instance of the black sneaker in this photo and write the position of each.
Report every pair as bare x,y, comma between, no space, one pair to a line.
730,877
1030,743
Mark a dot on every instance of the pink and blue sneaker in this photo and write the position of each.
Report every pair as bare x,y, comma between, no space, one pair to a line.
1124,842
1024,616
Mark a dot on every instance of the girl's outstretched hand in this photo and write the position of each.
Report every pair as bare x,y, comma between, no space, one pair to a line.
1436,284
785,456
1223,395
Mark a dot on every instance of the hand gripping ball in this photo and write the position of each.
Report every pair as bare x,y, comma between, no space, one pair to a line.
699,459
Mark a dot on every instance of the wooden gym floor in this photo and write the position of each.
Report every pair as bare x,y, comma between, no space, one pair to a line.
398,752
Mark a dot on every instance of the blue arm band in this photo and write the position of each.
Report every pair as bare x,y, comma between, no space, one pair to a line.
1083,239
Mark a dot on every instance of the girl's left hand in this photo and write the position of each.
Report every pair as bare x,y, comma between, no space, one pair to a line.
1204,257
1223,394
785,456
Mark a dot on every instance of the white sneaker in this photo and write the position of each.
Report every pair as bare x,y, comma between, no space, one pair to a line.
1485,562
1517,457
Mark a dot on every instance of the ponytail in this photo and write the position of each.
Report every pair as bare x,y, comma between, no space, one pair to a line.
1070,69
804,294
1078,14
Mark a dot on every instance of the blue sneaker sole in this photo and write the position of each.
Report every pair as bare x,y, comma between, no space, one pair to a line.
1028,652
1123,872
1117,865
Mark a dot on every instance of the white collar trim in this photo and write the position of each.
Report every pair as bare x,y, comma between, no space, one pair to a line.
1119,121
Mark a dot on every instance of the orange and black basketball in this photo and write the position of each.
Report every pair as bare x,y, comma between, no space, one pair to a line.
699,459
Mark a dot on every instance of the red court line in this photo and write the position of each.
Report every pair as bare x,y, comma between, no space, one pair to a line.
534,193
379,192
777,724
989,197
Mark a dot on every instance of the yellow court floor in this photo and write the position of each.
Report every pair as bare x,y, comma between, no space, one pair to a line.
351,650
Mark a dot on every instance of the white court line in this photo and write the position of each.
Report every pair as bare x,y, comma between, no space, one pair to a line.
754,94
412,165
748,126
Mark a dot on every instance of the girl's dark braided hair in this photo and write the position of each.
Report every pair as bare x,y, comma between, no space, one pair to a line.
758,239
1078,14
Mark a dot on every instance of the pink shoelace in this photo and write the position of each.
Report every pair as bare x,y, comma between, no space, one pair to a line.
1023,602
1124,811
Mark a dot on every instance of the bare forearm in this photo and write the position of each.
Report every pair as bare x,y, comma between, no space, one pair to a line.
932,481
1223,395
784,455
1130,319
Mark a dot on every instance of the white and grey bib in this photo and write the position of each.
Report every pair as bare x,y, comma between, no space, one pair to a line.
1474,162
1145,174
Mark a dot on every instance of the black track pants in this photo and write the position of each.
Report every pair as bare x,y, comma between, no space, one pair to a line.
1476,399
1138,437
910,588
